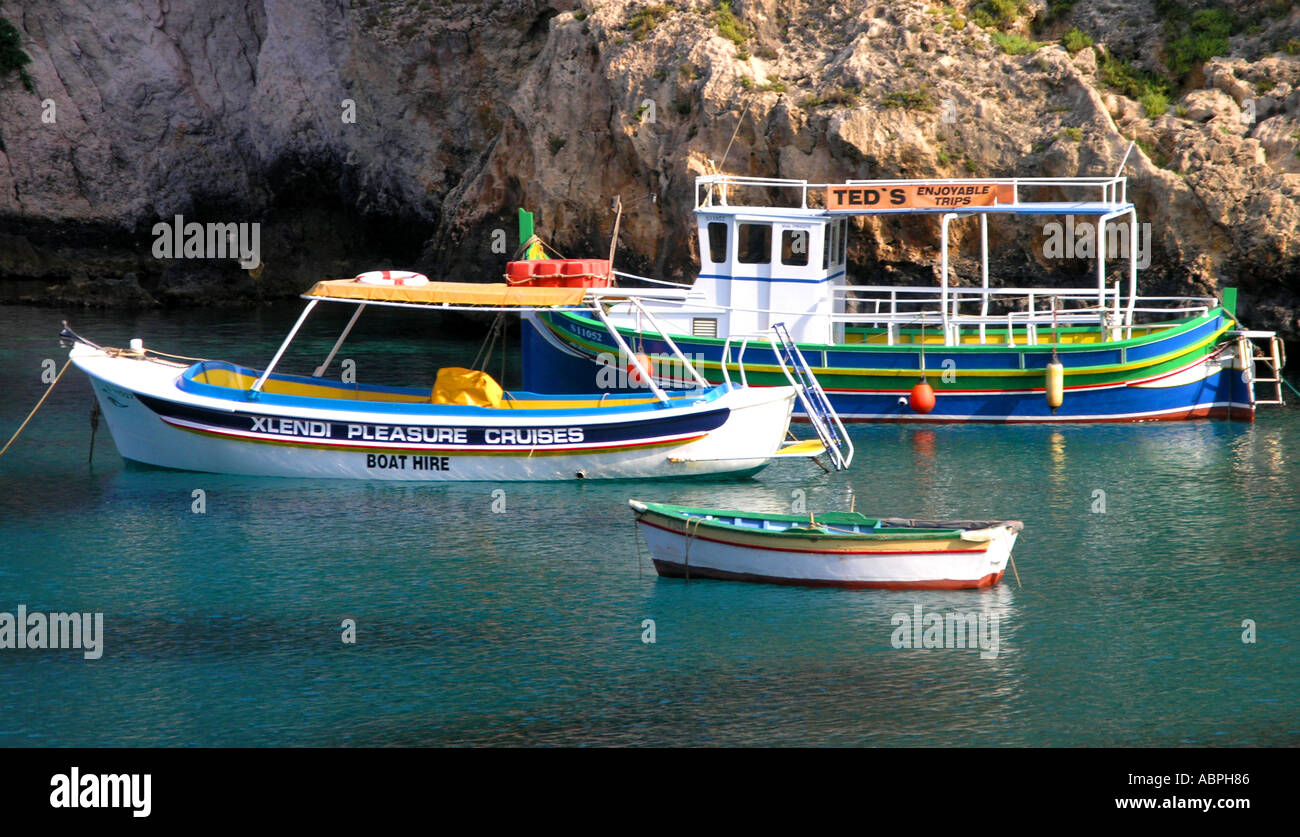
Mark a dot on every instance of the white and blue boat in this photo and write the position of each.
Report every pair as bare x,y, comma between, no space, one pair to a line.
219,417
773,251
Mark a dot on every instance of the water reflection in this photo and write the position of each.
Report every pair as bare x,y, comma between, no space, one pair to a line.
524,626
1056,458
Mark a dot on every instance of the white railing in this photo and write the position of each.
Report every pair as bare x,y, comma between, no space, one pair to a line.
623,275
893,307
1033,308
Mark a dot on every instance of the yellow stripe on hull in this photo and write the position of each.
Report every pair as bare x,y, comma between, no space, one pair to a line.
912,373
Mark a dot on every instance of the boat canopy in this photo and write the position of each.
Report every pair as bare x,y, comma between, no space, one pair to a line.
486,294
461,296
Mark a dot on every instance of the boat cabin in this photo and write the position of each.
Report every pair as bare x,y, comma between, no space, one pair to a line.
756,261
775,251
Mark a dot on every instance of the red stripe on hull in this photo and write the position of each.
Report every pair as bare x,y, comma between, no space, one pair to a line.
336,446
669,570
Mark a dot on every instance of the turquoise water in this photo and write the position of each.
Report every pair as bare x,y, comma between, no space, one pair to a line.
525,627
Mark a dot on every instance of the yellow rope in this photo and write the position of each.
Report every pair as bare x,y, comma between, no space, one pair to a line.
144,354
178,357
739,122
536,239
22,427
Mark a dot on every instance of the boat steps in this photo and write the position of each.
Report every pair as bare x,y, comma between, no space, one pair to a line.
822,416
1265,349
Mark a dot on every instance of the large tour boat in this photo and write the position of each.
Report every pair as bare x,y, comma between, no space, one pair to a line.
773,251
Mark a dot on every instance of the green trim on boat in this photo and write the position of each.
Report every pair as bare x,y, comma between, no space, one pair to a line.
1167,330
716,518
525,225
967,380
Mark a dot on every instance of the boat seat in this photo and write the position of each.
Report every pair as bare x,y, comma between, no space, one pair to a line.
467,387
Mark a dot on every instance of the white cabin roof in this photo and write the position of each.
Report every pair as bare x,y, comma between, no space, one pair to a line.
721,194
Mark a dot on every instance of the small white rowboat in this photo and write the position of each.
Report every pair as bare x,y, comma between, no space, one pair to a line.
835,549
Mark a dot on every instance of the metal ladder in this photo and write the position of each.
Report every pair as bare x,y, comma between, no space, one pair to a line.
1272,355
822,416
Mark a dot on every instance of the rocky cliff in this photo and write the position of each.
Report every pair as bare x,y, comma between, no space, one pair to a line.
406,133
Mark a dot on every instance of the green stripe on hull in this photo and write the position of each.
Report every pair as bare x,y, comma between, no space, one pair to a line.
966,380
718,518
1166,331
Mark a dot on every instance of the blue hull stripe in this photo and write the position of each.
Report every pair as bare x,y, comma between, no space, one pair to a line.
444,436
1221,392
1035,357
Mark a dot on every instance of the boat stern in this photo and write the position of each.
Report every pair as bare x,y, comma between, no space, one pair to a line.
758,419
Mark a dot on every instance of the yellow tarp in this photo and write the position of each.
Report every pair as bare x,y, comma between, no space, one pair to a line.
453,293
466,386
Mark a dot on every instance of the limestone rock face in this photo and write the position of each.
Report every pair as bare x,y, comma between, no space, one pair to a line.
406,133
1211,103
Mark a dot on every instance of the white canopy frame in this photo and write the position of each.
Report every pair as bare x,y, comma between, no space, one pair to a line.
1104,197
596,303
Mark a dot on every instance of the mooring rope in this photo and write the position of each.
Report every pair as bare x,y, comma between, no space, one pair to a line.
690,537
636,543
23,426
739,122
490,343
163,354
94,427
536,239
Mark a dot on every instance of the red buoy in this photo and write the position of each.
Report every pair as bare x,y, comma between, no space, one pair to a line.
634,376
922,398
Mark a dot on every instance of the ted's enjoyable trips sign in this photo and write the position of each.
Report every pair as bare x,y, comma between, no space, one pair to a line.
918,196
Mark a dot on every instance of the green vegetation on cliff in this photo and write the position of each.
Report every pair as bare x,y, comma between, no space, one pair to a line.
12,56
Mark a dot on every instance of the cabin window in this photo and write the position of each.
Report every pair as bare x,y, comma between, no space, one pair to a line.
844,241
754,244
826,246
717,242
794,247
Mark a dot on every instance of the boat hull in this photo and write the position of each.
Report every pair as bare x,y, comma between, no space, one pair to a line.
1197,373
153,421
682,551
